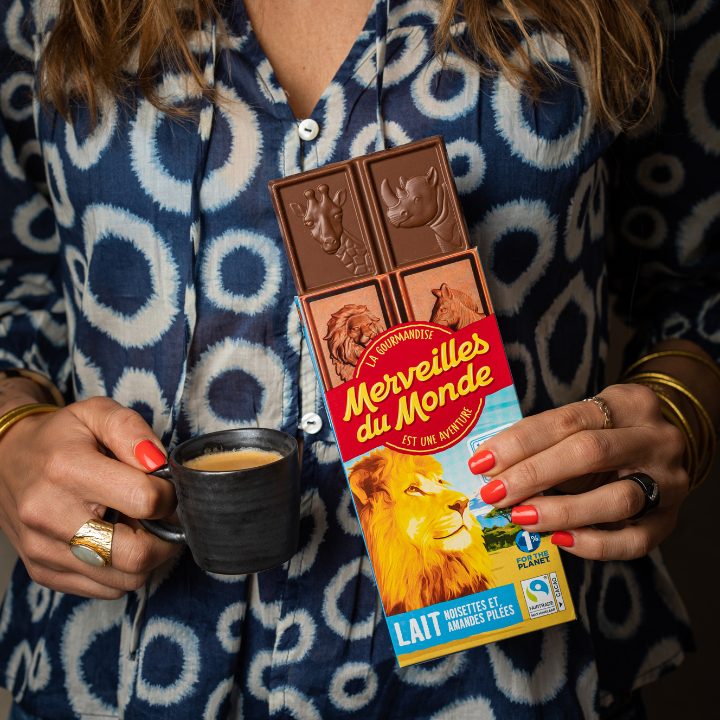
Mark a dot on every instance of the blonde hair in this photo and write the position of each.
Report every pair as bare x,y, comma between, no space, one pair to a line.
619,40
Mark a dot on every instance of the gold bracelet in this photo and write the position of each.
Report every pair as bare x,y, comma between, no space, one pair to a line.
675,353
10,418
699,459
38,379
706,454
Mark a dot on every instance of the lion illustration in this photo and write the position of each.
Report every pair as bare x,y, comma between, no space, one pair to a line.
425,545
350,329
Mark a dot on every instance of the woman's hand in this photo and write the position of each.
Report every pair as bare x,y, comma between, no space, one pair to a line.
567,449
54,477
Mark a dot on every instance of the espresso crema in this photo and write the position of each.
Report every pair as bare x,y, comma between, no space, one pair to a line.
233,460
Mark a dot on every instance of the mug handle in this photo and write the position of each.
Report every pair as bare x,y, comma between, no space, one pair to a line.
165,531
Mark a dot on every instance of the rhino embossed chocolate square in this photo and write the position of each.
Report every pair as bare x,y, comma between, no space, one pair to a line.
324,229
413,203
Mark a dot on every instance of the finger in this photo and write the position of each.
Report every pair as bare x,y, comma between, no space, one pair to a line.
611,503
629,405
72,583
123,431
132,558
633,541
650,450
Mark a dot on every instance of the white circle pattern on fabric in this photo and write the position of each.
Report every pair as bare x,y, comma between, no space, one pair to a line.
38,601
452,108
693,229
401,65
675,325
545,681
346,517
86,154
472,179
8,90
339,696
185,638
364,141
216,699
508,104
298,706
660,658
212,275
516,216
255,680
644,216
518,351
359,629
24,216
40,668
168,191
467,709
13,22
563,391
231,614
701,125
266,613
586,690
21,657
6,612
10,162
627,628
582,211
141,386
150,322
708,305
234,354
223,184
651,164
433,673
86,623
311,506
89,375
302,620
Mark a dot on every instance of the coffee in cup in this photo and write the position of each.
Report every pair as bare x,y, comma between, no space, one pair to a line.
240,520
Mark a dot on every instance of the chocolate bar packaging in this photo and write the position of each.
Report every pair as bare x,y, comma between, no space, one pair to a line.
397,314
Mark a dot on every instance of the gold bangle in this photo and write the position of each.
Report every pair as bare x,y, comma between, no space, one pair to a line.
675,353
10,418
706,456
38,379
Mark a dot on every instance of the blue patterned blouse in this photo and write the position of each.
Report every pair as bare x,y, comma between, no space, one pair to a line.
142,260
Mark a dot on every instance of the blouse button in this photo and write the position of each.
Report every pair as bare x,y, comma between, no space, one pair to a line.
308,129
311,423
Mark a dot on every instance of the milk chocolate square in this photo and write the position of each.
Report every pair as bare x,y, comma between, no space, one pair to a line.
342,321
411,198
450,291
324,228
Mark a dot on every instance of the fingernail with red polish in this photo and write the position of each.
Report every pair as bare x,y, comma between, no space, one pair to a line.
493,492
562,538
482,462
524,515
149,456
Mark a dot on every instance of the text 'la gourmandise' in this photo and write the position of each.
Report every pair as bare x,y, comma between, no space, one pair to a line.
411,405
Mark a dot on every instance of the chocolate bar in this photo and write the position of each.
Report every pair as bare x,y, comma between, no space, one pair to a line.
369,216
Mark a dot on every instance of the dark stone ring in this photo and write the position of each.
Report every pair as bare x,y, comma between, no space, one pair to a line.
651,490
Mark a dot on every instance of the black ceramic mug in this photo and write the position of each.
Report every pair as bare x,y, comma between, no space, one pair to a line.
235,521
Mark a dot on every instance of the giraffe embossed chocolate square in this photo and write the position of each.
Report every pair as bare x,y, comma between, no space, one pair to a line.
369,216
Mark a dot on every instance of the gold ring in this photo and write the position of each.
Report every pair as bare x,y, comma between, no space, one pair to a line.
607,425
92,543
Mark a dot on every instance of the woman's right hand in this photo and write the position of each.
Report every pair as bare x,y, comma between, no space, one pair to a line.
54,477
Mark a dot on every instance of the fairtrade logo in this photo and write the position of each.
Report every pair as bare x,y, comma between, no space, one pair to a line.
537,586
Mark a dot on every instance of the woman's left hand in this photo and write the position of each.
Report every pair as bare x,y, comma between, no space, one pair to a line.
568,449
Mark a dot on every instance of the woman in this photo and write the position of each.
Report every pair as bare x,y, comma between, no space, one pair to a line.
178,305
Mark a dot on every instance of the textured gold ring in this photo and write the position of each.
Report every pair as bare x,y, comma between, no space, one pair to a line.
607,425
92,543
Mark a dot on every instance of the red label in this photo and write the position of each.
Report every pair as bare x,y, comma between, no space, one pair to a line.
419,388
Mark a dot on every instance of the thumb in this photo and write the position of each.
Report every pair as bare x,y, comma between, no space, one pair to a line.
122,431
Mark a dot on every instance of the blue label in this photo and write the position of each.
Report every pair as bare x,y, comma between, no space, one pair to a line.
527,541
455,620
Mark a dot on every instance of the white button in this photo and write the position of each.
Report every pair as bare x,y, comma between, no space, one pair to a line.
311,423
308,130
